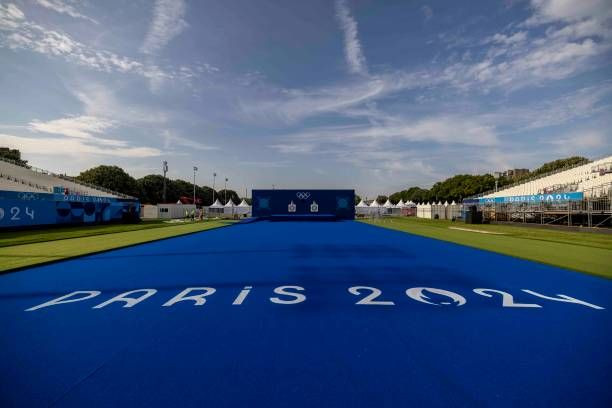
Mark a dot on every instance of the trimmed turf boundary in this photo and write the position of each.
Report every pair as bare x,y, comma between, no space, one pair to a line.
17,257
543,246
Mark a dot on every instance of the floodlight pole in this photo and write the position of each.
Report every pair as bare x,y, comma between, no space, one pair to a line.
165,169
194,173
214,177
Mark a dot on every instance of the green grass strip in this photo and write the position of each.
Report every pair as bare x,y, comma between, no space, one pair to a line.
61,243
584,252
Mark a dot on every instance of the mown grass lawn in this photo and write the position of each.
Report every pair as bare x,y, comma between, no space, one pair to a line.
25,248
580,251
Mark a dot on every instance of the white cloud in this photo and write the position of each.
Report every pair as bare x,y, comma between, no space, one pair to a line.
62,7
569,10
517,37
167,23
11,17
18,33
293,148
171,141
58,146
352,47
80,126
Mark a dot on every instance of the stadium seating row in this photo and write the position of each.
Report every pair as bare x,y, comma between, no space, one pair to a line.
14,177
593,179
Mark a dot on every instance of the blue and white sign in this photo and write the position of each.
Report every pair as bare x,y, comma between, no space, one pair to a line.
534,198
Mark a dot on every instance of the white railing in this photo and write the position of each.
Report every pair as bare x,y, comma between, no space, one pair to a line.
67,178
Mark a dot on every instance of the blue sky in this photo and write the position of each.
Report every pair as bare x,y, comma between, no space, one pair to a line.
375,95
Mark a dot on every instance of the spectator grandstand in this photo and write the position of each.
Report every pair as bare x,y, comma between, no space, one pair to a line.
17,177
593,179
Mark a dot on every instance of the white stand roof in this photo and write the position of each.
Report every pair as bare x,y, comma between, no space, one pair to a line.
401,204
230,203
216,204
388,204
243,203
362,204
374,204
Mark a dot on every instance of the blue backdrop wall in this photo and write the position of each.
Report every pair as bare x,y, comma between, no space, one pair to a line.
339,204
21,209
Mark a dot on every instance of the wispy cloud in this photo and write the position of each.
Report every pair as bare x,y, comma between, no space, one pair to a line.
167,23
172,141
82,127
352,47
62,7
58,146
18,33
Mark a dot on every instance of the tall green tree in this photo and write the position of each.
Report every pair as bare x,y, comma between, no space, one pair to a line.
111,177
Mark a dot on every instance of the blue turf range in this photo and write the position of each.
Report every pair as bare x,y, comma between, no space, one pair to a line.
325,351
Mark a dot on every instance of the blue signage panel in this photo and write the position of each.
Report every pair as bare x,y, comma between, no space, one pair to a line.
304,203
20,209
534,198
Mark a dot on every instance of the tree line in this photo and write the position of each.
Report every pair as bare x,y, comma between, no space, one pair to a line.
465,185
149,189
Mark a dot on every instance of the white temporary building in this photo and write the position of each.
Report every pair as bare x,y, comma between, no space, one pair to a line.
216,208
243,208
375,208
454,211
229,207
424,210
437,211
166,211
362,208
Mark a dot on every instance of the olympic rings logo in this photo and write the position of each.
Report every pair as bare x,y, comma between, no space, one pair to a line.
302,195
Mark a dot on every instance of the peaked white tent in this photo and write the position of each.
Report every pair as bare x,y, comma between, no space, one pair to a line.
362,208
388,204
362,204
216,204
229,207
374,204
243,208
216,208
400,204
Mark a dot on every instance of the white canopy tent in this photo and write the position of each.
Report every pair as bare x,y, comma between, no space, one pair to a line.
362,204
229,207
362,208
243,208
216,208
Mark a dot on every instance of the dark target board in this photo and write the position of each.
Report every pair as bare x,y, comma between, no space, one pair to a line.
304,204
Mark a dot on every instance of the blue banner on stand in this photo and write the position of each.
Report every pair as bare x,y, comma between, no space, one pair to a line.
534,198
19,209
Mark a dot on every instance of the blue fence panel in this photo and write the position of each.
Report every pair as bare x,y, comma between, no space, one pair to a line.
21,209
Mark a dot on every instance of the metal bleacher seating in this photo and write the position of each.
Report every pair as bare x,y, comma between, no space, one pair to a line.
15,177
594,179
